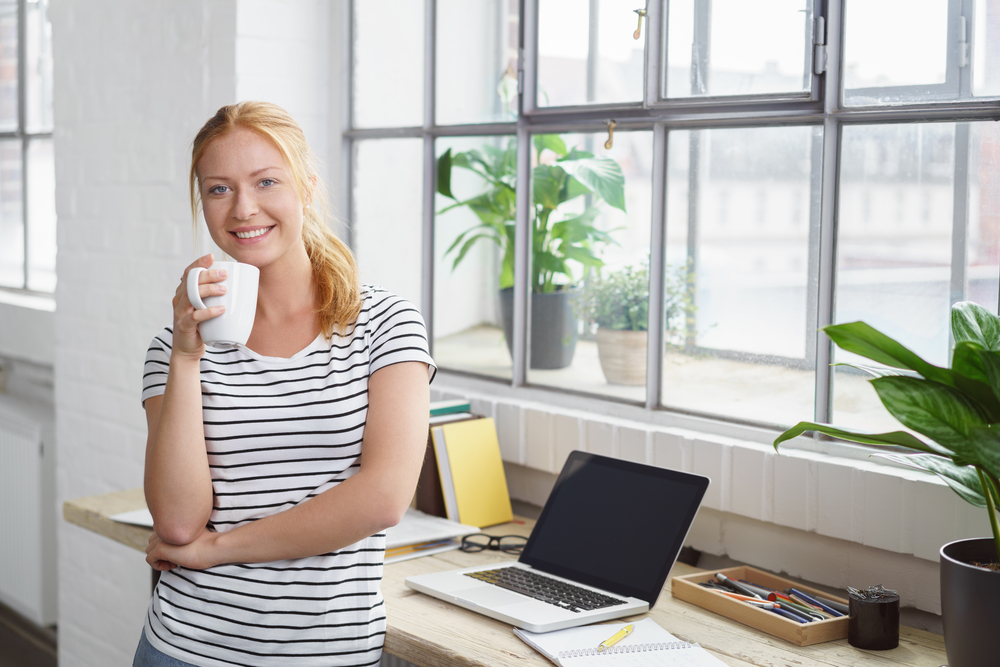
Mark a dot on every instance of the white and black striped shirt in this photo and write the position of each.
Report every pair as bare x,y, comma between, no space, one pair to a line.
279,432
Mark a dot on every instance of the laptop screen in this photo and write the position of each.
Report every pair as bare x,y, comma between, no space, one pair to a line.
616,525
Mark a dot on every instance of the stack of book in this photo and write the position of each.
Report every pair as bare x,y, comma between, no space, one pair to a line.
462,476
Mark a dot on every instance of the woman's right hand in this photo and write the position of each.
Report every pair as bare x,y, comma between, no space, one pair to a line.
186,339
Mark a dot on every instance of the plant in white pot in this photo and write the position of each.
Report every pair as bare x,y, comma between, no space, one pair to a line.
957,411
618,303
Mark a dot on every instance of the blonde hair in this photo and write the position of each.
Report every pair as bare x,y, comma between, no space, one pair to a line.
333,266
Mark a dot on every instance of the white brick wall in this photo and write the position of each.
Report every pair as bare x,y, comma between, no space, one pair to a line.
832,520
133,83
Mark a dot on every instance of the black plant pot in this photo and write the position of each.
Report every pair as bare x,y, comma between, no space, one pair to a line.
553,327
970,603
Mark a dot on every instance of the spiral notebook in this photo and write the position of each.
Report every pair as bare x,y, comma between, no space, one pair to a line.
649,644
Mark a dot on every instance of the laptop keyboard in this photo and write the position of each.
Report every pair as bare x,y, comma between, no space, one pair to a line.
546,589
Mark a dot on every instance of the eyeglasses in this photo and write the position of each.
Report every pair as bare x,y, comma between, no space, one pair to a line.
509,544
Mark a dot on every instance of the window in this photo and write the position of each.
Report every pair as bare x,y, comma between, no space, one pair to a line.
662,205
27,167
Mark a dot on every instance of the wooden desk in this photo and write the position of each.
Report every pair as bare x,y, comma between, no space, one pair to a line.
432,633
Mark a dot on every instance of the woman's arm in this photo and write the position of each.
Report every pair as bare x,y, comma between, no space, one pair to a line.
177,481
372,500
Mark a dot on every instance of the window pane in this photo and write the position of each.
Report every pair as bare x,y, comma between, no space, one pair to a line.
741,204
468,325
8,65
388,201
611,222
734,47
11,218
589,55
41,216
388,75
38,67
897,267
476,76
893,56
986,49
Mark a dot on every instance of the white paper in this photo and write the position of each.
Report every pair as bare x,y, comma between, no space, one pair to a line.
418,527
135,517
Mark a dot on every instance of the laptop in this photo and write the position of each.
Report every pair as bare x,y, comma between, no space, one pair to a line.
603,545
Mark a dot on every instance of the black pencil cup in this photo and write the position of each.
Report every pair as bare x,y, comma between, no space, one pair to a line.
874,624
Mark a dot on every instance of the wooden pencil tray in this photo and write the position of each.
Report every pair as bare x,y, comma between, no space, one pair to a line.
801,634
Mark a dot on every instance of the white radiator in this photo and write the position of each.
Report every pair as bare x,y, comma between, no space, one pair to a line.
21,518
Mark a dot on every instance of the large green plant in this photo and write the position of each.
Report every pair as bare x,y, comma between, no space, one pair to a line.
556,241
956,409
620,300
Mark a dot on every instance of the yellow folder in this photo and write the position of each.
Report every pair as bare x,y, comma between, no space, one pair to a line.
471,470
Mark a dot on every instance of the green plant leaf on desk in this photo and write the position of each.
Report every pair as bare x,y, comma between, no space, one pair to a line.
963,480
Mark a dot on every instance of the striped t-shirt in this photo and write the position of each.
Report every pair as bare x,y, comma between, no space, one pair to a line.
279,432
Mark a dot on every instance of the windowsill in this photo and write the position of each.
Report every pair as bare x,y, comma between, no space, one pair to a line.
42,302
830,503
29,327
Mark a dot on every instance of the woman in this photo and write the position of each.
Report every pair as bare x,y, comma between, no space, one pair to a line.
272,469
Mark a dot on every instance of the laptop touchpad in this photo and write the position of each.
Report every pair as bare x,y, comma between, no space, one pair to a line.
488,596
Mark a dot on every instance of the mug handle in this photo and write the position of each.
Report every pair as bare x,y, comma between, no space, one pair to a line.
192,288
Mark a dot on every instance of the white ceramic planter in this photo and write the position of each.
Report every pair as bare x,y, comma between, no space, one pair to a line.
623,356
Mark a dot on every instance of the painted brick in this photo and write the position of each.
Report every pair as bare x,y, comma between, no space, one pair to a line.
835,501
928,504
600,437
539,443
751,467
791,491
671,450
509,431
632,443
567,438
712,459
883,529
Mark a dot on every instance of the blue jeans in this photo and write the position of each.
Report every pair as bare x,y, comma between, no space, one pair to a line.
147,656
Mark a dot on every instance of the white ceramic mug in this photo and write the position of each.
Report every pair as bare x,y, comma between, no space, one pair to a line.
232,327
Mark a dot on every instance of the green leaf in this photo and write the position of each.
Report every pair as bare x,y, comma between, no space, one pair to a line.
444,174
861,339
982,449
553,142
972,323
878,371
963,480
991,368
546,183
934,410
600,174
895,438
965,360
468,244
573,189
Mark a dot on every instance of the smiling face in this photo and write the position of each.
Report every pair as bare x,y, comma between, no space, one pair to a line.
251,204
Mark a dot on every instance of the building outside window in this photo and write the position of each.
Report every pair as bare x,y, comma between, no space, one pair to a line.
734,175
27,171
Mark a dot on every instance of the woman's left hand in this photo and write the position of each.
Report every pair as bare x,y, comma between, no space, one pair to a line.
196,555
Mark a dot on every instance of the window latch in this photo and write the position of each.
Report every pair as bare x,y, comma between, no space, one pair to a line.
638,29
819,45
611,135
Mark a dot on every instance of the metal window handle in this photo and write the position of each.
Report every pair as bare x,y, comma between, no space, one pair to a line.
638,29
611,135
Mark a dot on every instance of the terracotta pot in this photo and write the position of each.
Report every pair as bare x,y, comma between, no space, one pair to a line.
970,603
623,356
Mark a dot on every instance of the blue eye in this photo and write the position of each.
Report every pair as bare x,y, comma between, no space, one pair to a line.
217,189
267,182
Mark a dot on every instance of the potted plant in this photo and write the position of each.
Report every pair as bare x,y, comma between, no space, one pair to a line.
560,240
618,303
957,411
